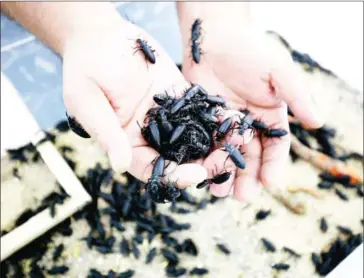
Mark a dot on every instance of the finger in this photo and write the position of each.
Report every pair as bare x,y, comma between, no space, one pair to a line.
183,175
215,164
186,175
233,136
246,184
142,164
275,153
289,85
88,104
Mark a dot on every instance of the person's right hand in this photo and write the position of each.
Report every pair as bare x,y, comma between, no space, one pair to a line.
108,89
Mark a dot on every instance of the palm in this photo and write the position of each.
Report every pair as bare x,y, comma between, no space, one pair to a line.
242,73
101,91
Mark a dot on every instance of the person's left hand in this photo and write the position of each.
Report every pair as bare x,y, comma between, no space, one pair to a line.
250,70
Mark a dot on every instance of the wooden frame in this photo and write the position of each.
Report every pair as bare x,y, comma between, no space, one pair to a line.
78,197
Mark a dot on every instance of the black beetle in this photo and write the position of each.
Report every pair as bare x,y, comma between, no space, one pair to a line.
166,125
154,181
196,52
192,91
218,179
214,100
146,49
223,129
245,123
223,248
269,246
76,127
281,266
177,132
323,225
196,30
271,133
177,105
154,132
235,155
259,125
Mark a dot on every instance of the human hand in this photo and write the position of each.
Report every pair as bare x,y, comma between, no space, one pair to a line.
108,89
250,70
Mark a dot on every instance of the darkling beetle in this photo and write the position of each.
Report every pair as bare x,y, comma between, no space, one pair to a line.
218,179
158,191
196,52
271,133
166,125
235,155
177,132
76,127
223,129
196,30
146,49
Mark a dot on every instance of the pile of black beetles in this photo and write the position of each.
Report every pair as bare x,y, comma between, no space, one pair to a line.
186,129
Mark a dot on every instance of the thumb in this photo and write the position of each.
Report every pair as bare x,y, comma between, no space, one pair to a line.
88,104
290,87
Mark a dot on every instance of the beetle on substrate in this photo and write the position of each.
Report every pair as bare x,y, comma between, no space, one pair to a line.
170,256
341,195
218,179
223,129
323,225
199,271
235,155
58,270
291,252
325,185
223,248
269,246
262,214
146,49
281,266
58,252
150,256
124,247
345,230
76,127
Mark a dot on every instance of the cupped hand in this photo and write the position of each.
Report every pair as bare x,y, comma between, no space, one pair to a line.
251,71
109,87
